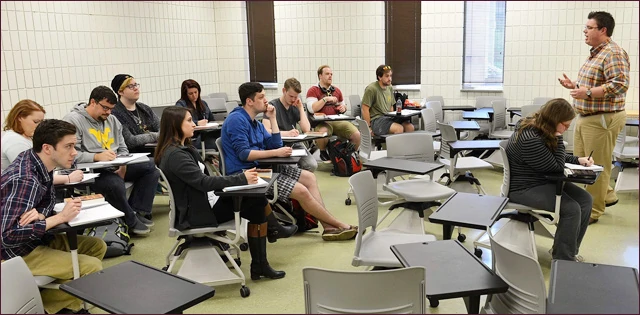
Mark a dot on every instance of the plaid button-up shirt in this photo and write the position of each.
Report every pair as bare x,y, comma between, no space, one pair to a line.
26,184
607,66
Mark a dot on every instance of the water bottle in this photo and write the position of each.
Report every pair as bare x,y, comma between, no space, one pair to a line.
398,107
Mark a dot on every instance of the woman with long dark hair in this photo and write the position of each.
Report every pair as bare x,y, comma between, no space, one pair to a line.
196,204
536,149
190,99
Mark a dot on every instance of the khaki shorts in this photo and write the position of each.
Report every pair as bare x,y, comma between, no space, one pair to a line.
342,129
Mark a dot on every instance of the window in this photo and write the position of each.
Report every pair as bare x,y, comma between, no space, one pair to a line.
483,66
262,41
402,45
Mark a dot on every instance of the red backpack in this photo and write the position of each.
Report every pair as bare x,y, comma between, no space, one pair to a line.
344,158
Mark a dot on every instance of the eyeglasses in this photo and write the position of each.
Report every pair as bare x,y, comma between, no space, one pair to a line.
386,68
133,86
105,108
587,27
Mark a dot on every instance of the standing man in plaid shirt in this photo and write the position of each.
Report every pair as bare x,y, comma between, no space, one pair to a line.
599,95
27,213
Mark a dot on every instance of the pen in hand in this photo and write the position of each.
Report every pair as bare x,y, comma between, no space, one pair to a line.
589,158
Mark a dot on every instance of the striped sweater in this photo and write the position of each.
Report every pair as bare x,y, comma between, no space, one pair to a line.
530,159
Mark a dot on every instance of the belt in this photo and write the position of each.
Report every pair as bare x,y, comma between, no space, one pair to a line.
598,113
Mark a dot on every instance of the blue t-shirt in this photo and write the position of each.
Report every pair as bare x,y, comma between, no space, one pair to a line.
240,135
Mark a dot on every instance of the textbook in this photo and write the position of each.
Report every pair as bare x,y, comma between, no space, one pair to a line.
316,134
89,201
264,172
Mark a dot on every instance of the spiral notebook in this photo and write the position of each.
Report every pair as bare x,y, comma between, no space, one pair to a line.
261,183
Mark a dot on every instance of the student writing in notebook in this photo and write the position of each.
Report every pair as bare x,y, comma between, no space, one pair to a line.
196,204
289,112
536,148
27,213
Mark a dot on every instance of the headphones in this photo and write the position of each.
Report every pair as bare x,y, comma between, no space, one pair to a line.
327,91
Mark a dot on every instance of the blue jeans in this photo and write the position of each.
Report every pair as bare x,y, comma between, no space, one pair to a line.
575,210
145,179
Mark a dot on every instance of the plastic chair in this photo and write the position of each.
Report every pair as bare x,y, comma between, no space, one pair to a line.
430,126
527,292
436,106
627,179
354,105
528,110
398,291
222,95
485,101
205,264
457,165
229,106
415,194
499,123
20,294
541,100
373,248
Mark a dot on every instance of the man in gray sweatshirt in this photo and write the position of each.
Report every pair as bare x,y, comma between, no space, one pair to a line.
100,138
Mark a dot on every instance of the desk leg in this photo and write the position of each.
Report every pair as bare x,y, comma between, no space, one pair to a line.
204,156
447,230
472,303
72,238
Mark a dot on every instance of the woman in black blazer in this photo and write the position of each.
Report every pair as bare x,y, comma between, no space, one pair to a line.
192,187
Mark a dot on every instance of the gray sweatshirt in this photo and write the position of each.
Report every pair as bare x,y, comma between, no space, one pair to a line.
95,136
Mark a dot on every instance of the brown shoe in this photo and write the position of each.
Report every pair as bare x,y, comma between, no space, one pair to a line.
592,221
612,203
340,234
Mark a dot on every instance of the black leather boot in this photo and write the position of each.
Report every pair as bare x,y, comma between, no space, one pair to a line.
259,264
275,230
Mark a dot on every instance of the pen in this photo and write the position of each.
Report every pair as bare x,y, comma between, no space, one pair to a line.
589,158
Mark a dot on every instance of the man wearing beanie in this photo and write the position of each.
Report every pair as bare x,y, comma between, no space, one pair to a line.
140,125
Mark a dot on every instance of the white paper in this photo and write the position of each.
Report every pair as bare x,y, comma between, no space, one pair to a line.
85,178
213,124
597,168
299,152
92,214
336,116
124,160
302,136
261,183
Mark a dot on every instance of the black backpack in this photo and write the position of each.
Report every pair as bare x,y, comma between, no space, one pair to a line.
344,158
116,236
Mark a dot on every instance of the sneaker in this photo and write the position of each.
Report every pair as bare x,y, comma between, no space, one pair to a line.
144,219
139,228
340,234
611,203
324,155
68,311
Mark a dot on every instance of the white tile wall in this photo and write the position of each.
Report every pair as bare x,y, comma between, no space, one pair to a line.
56,52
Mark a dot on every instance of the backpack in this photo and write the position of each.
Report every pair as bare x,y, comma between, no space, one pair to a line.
304,220
344,158
115,236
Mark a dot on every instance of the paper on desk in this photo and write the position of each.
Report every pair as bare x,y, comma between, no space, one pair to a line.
299,152
336,116
302,136
596,168
124,160
92,214
86,177
261,183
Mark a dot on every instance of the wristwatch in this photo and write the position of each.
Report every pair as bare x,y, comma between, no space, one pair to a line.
588,93
324,99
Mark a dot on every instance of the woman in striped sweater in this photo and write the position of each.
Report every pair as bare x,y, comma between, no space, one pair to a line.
536,149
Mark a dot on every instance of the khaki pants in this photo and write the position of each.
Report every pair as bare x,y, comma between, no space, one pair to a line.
55,261
598,133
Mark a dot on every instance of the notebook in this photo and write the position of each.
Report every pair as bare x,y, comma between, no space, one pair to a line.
92,214
261,183
298,137
595,168
124,159
299,152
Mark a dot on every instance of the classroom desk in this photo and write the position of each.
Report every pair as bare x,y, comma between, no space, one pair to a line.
632,122
237,195
324,118
135,288
468,210
587,288
305,139
465,108
279,160
404,114
464,125
401,165
95,165
207,132
451,272
514,111
476,115
462,145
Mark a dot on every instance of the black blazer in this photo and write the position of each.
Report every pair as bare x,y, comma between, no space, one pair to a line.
190,186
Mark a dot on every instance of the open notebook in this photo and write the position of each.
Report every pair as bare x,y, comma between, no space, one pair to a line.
595,168
92,214
261,183
124,159
298,137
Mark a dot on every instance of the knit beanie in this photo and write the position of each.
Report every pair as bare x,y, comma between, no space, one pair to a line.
117,82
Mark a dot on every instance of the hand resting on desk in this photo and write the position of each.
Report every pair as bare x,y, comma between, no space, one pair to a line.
107,155
283,152
251,175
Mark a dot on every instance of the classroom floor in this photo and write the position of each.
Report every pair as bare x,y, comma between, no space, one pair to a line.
613,240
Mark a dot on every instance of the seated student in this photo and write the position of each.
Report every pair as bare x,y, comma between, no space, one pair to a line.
327,99
196,204
378,100
245,140
20,125
290,111
140,125
100,139
199,109
536,148
27,213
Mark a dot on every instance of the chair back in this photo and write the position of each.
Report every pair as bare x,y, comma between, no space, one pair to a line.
485,101
506,179
499,115
365,192
229,106
221,166
414,146
435,98
447,135
222,95
172,205
429,119
365,139
20,294
541,100
528,110
397,291
527,293
436,106
158,110
354,102
568,136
